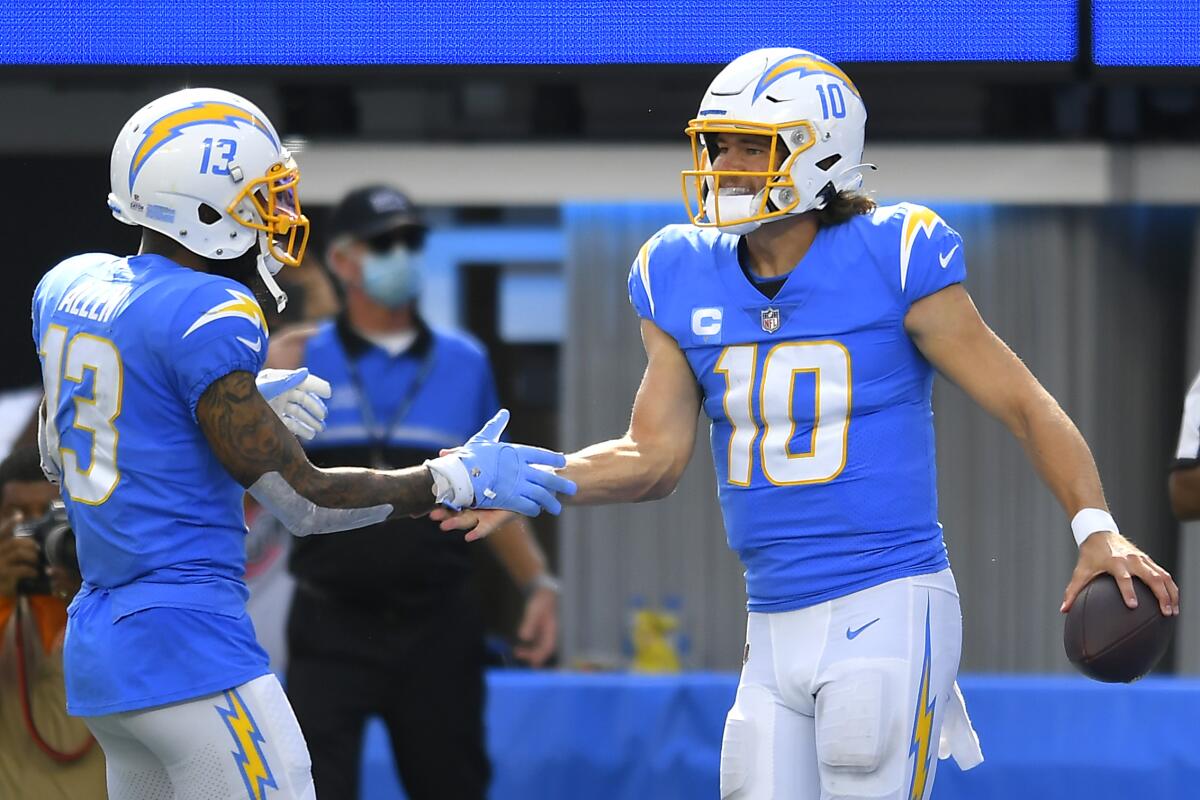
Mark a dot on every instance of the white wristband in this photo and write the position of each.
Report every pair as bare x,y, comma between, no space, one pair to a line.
1089,521
544,580
451,483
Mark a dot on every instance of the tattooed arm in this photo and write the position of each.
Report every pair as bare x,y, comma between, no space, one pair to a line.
251,442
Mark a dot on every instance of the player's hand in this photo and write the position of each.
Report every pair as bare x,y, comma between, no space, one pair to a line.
48,455
1112,553
488,473
296,396
538,633
476,522
18,557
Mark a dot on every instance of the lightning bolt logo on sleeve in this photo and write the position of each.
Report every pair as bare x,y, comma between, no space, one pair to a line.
644,269
169,126
922,725
248,755
916,219
242,305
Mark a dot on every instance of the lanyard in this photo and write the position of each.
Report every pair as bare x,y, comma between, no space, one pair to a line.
377,436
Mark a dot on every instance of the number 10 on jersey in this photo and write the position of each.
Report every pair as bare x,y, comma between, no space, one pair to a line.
64,363
825,456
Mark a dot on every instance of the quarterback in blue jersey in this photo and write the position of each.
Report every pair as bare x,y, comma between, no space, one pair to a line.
807,323
157,419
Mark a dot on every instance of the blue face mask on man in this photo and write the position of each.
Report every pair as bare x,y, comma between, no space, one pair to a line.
392,279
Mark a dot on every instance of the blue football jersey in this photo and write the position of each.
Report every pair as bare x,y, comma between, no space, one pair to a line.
128,345
822,428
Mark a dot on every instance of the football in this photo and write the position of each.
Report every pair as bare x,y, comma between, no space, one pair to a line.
1108,641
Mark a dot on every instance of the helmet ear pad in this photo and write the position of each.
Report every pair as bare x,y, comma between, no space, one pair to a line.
783,199
821,179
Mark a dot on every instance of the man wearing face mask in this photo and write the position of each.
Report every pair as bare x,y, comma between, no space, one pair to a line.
382,621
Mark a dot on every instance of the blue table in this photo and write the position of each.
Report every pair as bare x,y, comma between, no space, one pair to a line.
610,736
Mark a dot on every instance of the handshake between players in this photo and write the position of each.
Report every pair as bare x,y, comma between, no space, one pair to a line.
483,473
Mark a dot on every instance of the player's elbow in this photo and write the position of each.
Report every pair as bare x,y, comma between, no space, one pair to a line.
303,517
1025,411
662,474
657,490
1183,485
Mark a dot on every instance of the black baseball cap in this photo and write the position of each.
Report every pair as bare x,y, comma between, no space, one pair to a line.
376,212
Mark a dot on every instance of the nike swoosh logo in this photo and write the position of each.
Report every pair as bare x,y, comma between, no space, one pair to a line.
256,345
944,260
852,633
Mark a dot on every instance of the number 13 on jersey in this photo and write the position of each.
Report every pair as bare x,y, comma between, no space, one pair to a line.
65,365
824,458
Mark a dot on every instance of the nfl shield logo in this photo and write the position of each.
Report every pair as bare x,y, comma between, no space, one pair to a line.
770,319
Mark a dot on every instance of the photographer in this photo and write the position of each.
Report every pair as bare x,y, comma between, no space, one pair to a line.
43,752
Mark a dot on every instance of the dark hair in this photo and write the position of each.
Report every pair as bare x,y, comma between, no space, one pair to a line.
844,206
23,464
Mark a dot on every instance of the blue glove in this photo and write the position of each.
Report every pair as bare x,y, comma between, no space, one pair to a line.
488,473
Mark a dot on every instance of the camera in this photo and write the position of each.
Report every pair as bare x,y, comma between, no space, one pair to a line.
56,547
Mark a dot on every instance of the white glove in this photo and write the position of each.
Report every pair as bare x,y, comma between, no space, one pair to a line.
296,396
47,449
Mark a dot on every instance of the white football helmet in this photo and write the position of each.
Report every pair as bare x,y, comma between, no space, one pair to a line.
206,168
815,118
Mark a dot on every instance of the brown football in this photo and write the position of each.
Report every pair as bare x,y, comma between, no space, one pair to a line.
1108,641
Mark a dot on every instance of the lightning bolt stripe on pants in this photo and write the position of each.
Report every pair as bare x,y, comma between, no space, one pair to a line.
249,740
922,723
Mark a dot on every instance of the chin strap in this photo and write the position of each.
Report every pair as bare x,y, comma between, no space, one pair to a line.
267,268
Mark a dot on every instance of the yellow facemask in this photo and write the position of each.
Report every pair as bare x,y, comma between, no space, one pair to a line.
277,202
703,183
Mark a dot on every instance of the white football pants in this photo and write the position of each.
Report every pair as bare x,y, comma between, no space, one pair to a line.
854,698
240,744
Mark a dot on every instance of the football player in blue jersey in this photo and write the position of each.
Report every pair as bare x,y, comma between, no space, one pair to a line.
807,323
157,419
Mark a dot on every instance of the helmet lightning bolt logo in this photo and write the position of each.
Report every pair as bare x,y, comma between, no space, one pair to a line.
170,126
805,65
916,219
922,725
249,757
